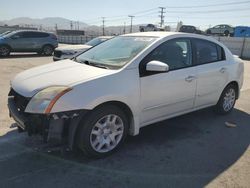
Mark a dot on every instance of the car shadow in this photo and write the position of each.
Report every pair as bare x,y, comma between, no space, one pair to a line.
23,55
188,151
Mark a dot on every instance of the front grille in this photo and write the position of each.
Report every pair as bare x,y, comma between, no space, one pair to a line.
20,101
57,53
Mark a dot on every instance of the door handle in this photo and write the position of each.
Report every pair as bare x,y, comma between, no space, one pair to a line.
190,78
223,69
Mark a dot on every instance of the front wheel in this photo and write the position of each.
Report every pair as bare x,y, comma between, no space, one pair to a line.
227,100
103,131
4,51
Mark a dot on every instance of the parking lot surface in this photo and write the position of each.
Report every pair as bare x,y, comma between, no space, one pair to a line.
194,150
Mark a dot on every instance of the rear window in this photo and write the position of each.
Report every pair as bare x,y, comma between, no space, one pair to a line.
208,52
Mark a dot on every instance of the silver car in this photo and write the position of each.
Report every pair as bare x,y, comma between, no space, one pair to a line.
221,30
70,51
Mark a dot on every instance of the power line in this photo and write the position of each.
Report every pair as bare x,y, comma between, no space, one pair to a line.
210,5
210,11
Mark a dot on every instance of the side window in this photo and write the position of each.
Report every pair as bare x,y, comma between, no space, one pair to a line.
28,35
40,35
176,53
18,35
208,52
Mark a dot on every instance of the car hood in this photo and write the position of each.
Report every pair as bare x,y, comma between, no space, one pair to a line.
61,73
73,47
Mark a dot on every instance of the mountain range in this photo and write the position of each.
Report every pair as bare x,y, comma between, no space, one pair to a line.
51,23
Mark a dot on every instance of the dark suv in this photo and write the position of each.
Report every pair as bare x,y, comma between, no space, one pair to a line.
28,41
190,29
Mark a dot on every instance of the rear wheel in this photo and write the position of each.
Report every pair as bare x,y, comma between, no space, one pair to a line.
227,100
103,131
4,51
47,50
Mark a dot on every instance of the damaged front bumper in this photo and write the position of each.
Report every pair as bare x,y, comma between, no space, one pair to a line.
58,128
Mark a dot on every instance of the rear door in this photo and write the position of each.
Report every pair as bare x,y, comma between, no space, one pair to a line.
212,73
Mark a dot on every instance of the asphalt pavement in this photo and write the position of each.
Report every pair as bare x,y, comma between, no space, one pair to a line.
193,150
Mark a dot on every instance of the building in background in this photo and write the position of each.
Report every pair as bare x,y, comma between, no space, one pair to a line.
66,32
5,28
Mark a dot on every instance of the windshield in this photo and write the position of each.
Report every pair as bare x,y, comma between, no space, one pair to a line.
115,52
5,33
96,41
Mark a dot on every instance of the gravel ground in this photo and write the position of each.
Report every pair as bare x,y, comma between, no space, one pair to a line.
194,150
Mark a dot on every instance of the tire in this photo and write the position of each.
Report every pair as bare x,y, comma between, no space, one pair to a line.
4,51
47,50
102,132
142,30
227,100
226,33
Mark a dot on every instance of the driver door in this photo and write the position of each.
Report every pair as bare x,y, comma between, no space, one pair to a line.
169,93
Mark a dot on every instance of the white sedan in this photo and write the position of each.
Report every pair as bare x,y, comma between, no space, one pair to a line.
112,90
70,51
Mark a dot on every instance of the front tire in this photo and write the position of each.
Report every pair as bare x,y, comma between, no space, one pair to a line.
227,100
4,51
103,131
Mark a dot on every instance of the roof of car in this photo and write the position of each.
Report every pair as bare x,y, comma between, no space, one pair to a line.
106,37
161,34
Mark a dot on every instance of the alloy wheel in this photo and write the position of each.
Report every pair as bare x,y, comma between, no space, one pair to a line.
107,133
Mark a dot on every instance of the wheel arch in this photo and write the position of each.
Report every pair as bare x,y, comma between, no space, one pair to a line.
47,44
236,85
75,126
4,44
126,109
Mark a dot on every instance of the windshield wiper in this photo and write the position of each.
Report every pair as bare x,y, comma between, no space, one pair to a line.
93,64
98,65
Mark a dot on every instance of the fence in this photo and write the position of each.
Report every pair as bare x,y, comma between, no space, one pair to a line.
66,39
238,46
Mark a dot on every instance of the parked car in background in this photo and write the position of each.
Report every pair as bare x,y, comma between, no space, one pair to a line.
70,51
242,31
221,30
28,41
150,27
190,29
95,100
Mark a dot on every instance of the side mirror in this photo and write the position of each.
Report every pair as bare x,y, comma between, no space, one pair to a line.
157,66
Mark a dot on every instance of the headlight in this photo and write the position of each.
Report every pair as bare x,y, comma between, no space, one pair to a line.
43,101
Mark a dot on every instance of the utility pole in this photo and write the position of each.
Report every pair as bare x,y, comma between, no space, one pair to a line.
124,28
103,22
162,11
71,25
131,23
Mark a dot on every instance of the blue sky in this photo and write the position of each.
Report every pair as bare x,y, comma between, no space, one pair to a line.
116,11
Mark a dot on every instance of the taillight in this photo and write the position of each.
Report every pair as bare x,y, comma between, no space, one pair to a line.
54,37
